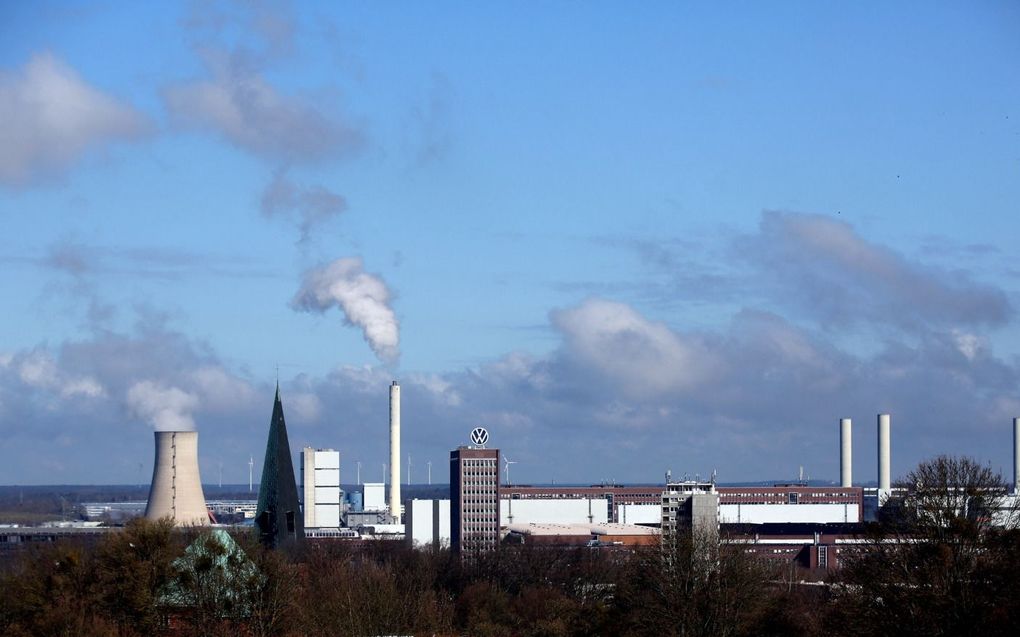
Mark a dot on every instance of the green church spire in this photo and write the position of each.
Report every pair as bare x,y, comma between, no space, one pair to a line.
278,516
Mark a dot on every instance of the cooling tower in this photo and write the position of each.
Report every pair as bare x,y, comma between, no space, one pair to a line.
395,452
845,453
176,489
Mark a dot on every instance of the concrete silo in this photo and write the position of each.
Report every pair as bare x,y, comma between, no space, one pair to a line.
176,490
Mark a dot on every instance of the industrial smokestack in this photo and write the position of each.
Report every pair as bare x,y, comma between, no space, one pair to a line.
845,453
884,457
1016,456
176,490
395,452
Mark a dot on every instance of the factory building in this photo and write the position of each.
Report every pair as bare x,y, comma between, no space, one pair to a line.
427,523
320,488
555,510
278,515
613,496
792,504
474,495
643,505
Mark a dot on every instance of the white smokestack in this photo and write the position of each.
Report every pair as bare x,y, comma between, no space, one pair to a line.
845,453
176,489
395,451
884,457
1016,456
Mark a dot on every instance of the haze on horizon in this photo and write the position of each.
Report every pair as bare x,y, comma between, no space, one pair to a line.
684,236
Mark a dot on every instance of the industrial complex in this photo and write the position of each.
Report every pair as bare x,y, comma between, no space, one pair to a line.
807,523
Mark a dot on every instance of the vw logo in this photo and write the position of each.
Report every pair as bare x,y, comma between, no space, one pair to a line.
479,436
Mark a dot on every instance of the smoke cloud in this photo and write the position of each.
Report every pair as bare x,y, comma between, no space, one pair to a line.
363,298
309,207
165,408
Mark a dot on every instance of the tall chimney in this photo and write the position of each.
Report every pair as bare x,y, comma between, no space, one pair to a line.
176,490
1016,456
845,454
395,452
884,457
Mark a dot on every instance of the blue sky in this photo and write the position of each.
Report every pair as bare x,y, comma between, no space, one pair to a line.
683,236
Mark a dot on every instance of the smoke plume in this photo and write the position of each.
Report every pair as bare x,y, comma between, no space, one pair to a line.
363,298
165,408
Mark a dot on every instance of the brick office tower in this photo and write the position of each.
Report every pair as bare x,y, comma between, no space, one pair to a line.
474,499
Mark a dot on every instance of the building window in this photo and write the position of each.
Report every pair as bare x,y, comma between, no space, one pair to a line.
793,497
823,557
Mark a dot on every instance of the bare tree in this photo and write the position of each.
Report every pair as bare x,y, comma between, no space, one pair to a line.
924,569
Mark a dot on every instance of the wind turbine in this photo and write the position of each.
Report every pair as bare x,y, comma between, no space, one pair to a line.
408,469
429,465
359,472
251,467
508,462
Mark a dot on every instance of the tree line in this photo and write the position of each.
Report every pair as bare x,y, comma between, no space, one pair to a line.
933,565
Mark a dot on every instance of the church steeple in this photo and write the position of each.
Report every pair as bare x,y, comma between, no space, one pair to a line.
278,516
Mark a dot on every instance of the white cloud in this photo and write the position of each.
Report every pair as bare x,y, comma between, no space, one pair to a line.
165,408
641,356
363,298
440,388
51,117
219,389
968,344
87,387
38,369
305,407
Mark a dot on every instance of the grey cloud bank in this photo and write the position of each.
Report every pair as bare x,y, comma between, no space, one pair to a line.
832,272
754,397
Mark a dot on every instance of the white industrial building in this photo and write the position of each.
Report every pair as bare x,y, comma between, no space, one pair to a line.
639,513
427,522
558,511
807,513
320,487
374,497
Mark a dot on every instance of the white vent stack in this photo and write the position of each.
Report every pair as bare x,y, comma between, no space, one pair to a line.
845,453
176,490
1016,456
395,452
884,457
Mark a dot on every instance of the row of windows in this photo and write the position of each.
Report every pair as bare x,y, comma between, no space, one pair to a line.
482,462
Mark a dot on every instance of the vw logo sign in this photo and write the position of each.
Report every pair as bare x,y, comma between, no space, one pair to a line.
479,436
